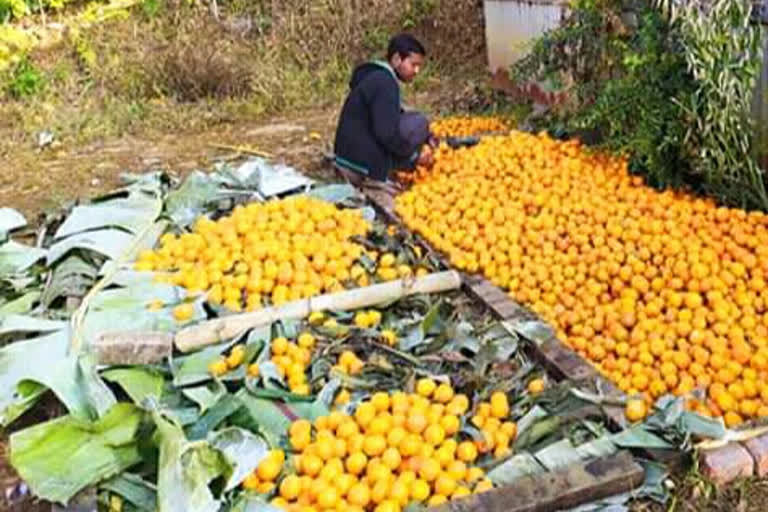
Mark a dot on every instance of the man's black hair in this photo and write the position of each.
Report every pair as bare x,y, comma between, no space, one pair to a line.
404,45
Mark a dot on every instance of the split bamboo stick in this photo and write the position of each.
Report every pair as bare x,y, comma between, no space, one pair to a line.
220,329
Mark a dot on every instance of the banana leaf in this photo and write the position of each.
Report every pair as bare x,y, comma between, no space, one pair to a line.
71,277
10,220
205,395
133,489
130,214
185,469
241,449
60,457
139,383
16,258
45,360
515,467
108,242
558,455
22,304
28,324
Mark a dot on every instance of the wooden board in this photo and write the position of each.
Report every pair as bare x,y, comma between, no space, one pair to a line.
573,485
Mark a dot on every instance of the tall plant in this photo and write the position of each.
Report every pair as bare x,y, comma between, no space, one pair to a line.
671,88
723,53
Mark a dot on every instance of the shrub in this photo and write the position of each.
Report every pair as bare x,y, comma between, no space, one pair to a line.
671,91
25,80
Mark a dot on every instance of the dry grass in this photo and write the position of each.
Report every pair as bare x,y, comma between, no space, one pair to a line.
180,69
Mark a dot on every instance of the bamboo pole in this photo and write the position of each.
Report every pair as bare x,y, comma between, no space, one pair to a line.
214,331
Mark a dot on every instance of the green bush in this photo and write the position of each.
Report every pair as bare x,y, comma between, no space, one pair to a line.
25,80
644,84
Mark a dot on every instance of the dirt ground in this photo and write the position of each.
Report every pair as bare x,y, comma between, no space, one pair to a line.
34,179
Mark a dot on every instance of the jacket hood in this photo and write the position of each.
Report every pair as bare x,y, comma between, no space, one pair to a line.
364,70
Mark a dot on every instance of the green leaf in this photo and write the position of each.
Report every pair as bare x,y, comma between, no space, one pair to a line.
60,457
193,368
418,334
28,324
134,489
241,449
72,277
600,447
137,296
205,395
535,331
22,304
138,382
701,426
532,416
221,410
27,395
184,470
10,220
273,417
196,194
108,242
16,258
130,214
73,379
517,466
334,193
558,455
639,437
99,321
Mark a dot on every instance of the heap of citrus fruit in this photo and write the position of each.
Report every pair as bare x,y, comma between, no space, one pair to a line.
467,126
664,292
394,449
276,251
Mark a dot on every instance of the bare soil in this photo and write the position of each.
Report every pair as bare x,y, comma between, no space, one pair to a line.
35,179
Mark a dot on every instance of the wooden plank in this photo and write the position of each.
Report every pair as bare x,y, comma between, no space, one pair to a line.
562,361
571,486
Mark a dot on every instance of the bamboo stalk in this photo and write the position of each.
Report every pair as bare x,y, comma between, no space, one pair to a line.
214,331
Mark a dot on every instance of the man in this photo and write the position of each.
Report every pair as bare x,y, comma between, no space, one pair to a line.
374,136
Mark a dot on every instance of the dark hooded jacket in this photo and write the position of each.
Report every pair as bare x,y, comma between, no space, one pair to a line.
368,137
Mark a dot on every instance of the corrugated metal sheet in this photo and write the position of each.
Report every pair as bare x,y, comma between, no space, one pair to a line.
512,25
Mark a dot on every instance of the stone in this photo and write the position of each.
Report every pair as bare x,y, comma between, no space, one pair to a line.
727,463
758,448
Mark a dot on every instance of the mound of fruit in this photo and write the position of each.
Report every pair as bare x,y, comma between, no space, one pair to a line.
271,252
394,449
467,126
664,292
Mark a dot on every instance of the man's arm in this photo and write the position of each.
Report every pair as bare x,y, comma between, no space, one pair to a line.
384,102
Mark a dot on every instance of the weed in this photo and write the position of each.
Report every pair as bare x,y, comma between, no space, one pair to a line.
152,8
26,80
417,11
375,39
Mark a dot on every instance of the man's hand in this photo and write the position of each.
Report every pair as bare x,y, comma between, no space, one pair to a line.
426,158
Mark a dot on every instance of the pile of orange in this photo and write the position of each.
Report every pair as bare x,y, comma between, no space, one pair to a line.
663,291
393,450
274,252
467,126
